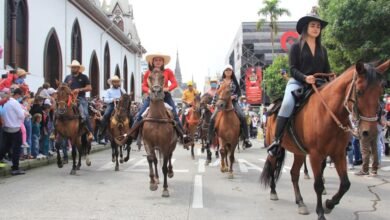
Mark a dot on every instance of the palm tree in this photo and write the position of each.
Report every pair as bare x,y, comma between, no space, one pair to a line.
271,9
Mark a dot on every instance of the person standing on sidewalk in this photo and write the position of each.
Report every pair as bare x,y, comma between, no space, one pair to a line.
13,117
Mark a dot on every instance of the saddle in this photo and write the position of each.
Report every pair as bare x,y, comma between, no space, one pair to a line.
301,97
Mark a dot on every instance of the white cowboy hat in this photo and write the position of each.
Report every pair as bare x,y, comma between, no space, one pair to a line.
76,63
214,79
149,58
114,78
51,91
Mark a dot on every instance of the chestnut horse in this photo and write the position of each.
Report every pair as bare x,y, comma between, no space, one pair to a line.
323,128
67,125
192,123
119,125
227,127
159,132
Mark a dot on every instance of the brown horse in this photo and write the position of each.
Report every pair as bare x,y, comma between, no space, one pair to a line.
204,124
227,126
120,123
67,125
159,132
192,122
323,126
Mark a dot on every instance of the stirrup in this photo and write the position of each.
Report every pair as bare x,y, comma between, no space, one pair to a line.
274,148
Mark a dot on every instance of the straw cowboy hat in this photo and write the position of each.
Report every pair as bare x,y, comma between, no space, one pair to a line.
302,22
149,58
76,63
21,72
190,83
114,78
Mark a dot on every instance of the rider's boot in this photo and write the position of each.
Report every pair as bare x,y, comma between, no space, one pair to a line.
211,132
101,132
274,147
245,133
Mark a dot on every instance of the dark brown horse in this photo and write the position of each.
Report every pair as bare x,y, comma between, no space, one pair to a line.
159,132
119,125
67,125
204,124
191,124
323,128
227,126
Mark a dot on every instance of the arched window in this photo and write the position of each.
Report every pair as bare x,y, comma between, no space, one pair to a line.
117,71
94,75
52,59
106,66
125,74
76,42
132,87
16,42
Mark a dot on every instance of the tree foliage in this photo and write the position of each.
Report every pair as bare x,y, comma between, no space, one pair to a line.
357,29
273,81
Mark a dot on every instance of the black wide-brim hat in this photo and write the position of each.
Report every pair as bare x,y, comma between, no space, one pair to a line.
302,22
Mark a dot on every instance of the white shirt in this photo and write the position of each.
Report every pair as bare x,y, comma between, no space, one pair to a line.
13,114
113,94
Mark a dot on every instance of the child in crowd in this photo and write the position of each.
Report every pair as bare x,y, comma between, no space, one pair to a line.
36,134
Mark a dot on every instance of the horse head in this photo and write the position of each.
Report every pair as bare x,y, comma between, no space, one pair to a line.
64,98
204,101
123,106
156,85
362,101
224,97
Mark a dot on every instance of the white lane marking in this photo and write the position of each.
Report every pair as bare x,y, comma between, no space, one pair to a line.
197,199
385,160
147,170
111,165
141,162
215,163
198,151
385,168
201,165
242,166
263,160
249,166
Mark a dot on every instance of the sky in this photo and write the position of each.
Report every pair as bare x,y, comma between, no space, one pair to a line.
202,31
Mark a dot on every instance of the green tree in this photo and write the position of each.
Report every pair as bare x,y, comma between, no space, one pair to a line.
271,9
273,81
357,29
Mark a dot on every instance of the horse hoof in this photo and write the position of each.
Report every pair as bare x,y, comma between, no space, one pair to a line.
127,159
306,177
88,162
226,169
60,165
326,209
78,167
303,210
117,168
230,176
193,157
207,162
222,170
73,172
321,218
121,161
153,187
324,192
157,181
113,160
165,193
274,197
170,174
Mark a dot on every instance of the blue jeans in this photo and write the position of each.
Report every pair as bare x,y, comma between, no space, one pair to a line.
107,115
288,103
168,99
35,145
350,152
83,108
28,125
356,149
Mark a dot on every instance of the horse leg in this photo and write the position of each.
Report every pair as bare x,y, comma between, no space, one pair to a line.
121,153
305,170
208,159
341,164
58,146
165,172
192,150
231,161
156,177
152,185
87,149
170,168
116,157
223,155
323,166
295,172
80,151
128,144
316,162
113,147
73,171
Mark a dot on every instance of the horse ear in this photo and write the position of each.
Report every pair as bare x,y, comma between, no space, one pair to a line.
360,67
383,67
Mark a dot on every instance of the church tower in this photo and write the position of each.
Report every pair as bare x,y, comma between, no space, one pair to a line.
178,72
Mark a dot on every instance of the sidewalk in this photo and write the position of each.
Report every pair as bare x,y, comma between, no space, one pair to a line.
34,163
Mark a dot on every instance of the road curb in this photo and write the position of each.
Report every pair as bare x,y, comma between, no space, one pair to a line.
34,163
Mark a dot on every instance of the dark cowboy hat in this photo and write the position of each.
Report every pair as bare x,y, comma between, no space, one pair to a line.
302,22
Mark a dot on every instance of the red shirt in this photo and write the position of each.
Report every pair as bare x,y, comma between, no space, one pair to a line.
168,76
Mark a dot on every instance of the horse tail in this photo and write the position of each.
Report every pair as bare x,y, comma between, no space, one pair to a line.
272,169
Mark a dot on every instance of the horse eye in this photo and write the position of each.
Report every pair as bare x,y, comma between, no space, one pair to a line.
359,92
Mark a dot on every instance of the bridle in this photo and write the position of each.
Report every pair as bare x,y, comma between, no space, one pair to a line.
351,97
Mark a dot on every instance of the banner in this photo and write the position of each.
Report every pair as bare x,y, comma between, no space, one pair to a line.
253,77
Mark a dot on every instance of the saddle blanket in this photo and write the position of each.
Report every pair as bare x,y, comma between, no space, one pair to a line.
167,106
